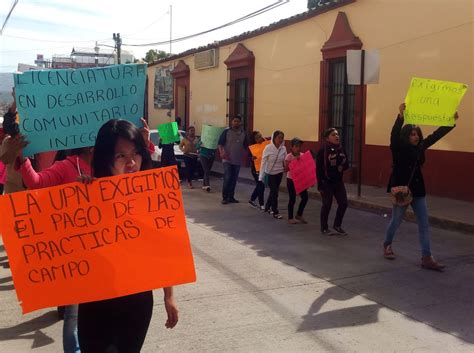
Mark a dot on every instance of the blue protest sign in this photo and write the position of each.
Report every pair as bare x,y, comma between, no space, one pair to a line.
64,109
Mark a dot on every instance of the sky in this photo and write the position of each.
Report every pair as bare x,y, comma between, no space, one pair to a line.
56,26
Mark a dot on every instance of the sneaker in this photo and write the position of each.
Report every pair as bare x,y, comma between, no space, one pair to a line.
293,221
429,263
262,208
277,216
253,204
301,219
233,201
225,202
326,232
388,253
207,188
340,231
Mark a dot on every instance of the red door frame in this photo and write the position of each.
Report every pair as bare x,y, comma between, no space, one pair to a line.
181,75
241,64
341,40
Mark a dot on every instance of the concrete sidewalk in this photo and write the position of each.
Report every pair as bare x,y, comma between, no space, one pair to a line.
444,213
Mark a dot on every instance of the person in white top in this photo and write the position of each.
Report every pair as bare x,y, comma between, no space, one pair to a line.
272,168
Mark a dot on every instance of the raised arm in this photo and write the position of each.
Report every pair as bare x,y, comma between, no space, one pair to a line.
34,180
397,128
438,134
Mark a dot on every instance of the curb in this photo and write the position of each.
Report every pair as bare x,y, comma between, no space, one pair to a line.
363,205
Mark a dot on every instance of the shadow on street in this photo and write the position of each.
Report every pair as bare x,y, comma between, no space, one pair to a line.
354,265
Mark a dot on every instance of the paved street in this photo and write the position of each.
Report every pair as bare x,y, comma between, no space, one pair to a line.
266,286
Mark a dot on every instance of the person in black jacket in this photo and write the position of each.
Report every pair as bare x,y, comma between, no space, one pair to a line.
408,153
331,162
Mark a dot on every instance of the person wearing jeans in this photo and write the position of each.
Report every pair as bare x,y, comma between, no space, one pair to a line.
70,339
421,212
408,156
232,146
231,174
331,162
273,166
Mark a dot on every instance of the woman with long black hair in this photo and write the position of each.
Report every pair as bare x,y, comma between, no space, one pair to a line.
120,324
408,155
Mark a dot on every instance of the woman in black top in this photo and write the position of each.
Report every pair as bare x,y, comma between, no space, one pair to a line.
331,162
408,152
120,324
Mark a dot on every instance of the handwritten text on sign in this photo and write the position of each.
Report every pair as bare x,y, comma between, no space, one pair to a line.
433,102
303,172
63,109
78,243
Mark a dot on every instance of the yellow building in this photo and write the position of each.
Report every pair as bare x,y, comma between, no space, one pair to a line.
291,76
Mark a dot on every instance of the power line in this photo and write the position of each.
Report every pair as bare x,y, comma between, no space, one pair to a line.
15,2
145,28
241,19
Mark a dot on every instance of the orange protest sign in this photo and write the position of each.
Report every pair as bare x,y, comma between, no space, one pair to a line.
257,152
78,243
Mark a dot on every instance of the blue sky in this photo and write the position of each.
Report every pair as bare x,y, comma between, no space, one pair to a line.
56,26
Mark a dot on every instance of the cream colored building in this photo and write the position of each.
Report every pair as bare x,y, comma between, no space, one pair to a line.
291,76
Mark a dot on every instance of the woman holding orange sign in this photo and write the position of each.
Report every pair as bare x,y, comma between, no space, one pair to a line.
120,324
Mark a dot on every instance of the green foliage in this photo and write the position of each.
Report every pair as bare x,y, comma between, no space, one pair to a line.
154,55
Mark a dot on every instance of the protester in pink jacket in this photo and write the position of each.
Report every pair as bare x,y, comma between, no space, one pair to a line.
61,172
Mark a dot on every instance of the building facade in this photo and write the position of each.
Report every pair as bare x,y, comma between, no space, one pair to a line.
291,76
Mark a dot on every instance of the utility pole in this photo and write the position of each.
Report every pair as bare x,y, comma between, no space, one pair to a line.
171,26
118,46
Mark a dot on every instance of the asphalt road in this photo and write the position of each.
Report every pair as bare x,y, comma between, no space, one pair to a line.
267,286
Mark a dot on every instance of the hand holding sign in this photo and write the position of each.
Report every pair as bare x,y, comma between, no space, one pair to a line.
303,172
433,102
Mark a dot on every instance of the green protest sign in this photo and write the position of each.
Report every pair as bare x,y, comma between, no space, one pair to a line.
210,136
168,133
433,102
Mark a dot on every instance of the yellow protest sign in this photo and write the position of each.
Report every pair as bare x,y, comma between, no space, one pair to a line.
433,102
78,243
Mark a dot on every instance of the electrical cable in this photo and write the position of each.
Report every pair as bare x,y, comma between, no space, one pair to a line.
241,19
15,2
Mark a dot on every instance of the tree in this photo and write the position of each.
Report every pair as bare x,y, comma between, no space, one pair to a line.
153,55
